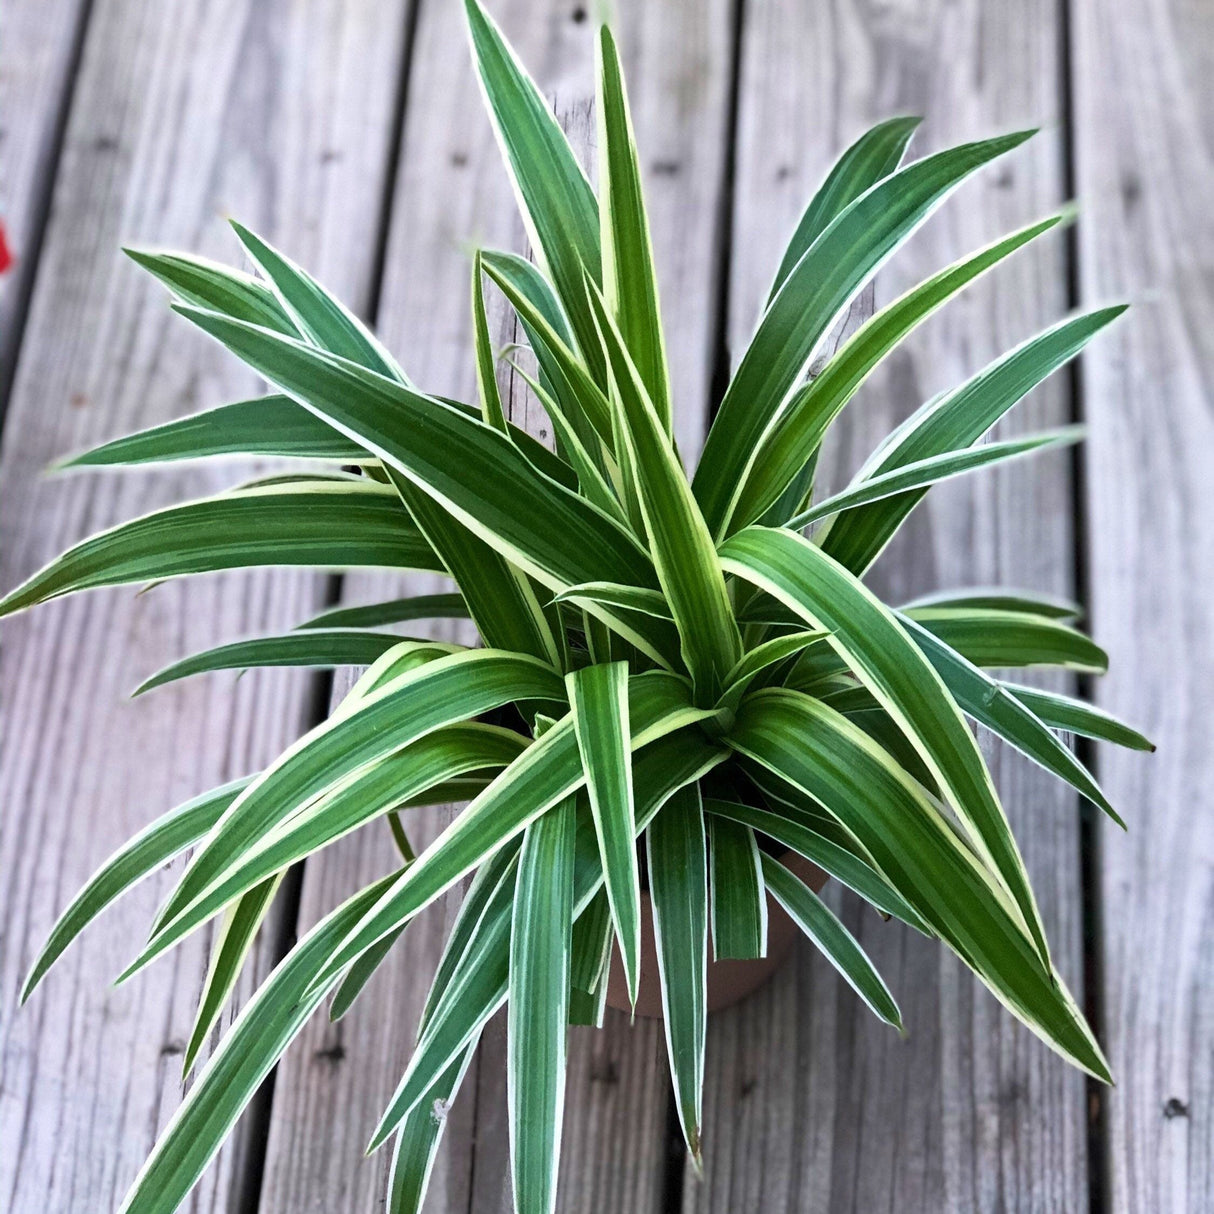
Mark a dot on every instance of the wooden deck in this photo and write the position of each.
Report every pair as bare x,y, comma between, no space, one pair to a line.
351,133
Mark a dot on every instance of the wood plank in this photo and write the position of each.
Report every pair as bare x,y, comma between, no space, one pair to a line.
452,190
38,55
1144,143
182,115
810,1103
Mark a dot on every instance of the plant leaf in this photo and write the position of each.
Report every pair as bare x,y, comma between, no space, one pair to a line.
629,277
796,438
394,611
832,761
269,1022
539,1006
815,292
492,412
739,898
989,637
678,886
869,638
558,206
153,846
923,473
996,598
1078,716
873,156
266,425
241,923
599,697
957,420
315,647
330,525
834,941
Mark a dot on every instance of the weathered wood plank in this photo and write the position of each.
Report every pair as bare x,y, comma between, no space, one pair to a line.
452,190
811,1104
1144,143
182,115
38,55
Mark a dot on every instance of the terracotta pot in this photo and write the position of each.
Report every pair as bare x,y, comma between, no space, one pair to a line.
728,981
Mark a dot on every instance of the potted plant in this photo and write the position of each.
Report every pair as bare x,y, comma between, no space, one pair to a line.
684,705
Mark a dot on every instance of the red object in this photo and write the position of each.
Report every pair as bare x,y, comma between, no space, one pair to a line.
6,254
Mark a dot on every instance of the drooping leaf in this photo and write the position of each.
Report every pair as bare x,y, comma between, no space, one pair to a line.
1078,716
833,762
143,854
739,898
870,639
539,1006
599,697
330,525
678,886
834,941
394,611
266,425
314,647
269,1022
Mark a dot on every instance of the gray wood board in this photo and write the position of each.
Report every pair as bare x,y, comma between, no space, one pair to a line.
182,115
1144,155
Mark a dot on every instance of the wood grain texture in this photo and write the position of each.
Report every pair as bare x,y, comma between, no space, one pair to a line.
38,56
183,114
811,1104
1144,151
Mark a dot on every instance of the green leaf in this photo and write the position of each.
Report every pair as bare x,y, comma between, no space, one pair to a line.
414,704
492,489
1077,716
241,923
739,899
590,958
599,697
539,1006
869,638
678,886
269,1022
548,771
207,284
418,1139
957,420
834,941
368,792
923,473
825,843
815,292
558,206
266,425
873,156
315,313
682,548
583,403
763,656
628,598
316,647
143,854
359,974
794,441
629,276
394,611
832,761
333,525
999,599
989,637
478,984
486,371
984,699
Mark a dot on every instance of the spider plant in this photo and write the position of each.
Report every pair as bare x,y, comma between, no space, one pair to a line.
666,662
